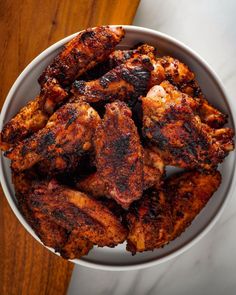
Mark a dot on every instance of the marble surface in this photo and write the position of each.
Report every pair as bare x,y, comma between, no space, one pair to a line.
207,26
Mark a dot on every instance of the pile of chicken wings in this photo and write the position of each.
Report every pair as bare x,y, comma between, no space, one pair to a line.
88,154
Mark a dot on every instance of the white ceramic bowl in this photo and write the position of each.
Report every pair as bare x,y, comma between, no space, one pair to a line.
26,87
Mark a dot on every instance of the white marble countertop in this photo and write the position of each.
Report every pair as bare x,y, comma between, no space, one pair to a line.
208,27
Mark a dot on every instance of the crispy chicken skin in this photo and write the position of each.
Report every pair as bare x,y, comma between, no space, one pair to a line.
119,154
153,172
51,234
149,222
116,58
169,121
33,116
66,137
187,194
82,53
125,82
72,210
178,74
160,217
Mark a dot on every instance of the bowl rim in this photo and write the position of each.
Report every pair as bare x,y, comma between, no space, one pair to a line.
189,243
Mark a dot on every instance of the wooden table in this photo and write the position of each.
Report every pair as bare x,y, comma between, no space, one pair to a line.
27,28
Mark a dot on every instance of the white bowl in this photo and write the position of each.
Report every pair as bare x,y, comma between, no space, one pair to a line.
26,87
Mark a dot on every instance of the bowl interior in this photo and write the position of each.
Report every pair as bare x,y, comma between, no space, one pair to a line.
26,87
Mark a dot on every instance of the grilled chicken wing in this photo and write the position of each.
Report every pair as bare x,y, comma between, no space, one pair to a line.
66,137
119,154
33,116
73,210
182,139
125,82
153,171
179,74
187,194
149,222
82,53
116,58
160,217
51,234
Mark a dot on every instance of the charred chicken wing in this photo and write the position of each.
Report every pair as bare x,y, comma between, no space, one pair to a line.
187,194
153,172
82,53
177,73
116,58
149,221
119,154
126,82
51,234
73,210
169,121
33,116
160,217
66,137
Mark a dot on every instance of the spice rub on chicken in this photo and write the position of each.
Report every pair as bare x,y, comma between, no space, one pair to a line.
125,82
66,137
170,122
153,175
187,194
161,216
66,219
89,153
33,116
82,53
119,154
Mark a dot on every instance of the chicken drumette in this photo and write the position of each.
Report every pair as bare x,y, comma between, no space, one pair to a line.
65,139
171,124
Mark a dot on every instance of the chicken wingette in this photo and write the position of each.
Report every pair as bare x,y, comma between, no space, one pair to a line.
161,216
82,53
116,58
65,139
33,116
68,243
149,222
119,154
171,124
125,82
187,194
73,210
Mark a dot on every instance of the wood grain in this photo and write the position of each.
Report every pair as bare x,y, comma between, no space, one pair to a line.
27,28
